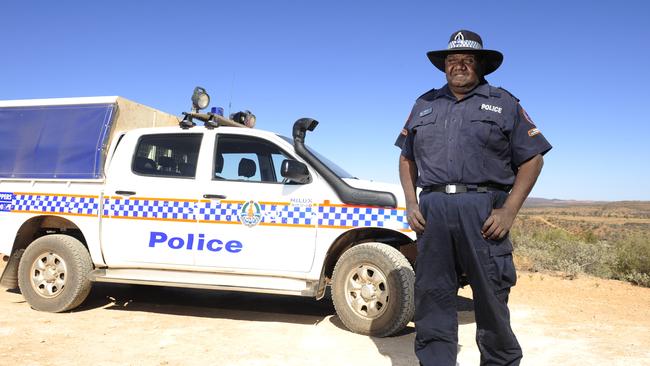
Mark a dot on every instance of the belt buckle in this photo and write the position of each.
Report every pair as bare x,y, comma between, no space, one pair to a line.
451,188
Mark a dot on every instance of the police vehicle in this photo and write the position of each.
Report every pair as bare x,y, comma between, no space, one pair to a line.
103,189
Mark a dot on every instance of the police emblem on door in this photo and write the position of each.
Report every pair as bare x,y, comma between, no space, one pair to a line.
250,214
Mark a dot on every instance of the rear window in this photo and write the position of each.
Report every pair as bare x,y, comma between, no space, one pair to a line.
168,155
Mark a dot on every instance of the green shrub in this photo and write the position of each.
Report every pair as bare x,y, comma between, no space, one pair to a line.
625,256
641,279
589,236
558,250
633,258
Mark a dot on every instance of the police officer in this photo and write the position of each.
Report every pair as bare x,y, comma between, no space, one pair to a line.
476,155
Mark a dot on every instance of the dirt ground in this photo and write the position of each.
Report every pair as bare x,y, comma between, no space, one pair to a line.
586,321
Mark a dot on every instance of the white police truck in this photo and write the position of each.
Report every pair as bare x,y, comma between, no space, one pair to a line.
103,189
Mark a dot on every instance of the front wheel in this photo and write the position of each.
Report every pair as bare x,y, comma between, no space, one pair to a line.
373,289
53,273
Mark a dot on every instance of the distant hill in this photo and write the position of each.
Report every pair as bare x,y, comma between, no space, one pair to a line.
546,202
621,209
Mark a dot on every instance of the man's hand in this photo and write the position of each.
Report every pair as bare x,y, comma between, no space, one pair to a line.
500,221
408,173
498,224
414,217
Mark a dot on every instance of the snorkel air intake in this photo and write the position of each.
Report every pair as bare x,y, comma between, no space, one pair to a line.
347,194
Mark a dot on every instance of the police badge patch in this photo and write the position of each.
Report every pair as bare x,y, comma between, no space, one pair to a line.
250,214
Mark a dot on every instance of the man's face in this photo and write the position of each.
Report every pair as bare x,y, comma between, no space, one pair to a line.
463,70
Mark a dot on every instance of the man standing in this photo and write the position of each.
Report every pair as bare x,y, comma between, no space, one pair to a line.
476,155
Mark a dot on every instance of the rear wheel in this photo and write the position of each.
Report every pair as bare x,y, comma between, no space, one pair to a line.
373,289
53,273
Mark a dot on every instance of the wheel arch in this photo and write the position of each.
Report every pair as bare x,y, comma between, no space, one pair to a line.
351,238
32,229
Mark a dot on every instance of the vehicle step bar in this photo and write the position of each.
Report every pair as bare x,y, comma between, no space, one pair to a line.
205,280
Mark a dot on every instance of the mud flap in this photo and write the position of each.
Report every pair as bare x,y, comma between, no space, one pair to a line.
9,277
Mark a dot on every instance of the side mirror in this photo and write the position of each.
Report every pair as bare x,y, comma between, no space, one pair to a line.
295,171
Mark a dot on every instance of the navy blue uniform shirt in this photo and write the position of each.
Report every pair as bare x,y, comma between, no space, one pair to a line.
483,138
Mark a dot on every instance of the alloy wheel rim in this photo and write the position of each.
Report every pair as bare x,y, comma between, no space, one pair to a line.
366,291
48,274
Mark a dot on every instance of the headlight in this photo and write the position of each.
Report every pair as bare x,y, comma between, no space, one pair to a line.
200,99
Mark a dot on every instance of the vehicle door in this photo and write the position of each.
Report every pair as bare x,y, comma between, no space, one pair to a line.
150,200
251,218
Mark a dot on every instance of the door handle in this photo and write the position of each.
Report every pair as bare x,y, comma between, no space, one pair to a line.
215,196
125,193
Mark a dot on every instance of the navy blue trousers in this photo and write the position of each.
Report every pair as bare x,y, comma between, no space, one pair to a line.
451,245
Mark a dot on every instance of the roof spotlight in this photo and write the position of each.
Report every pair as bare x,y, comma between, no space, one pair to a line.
246,118
200,99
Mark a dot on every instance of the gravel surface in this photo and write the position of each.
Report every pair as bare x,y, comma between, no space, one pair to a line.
586,321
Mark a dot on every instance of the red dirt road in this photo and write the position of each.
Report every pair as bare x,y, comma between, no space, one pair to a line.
586,321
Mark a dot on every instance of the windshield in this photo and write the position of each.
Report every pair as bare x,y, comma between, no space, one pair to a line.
340,172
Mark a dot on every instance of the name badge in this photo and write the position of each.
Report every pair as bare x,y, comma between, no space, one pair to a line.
425,112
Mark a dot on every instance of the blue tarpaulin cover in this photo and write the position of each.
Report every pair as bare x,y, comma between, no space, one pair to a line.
59,141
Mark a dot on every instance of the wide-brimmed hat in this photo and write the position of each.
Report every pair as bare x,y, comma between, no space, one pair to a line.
464,41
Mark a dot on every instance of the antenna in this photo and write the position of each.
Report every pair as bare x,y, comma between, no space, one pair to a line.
232,87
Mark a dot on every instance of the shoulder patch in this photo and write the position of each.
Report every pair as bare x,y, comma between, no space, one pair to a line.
533,132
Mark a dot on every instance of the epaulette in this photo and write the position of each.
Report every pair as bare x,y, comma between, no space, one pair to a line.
509,93
428,94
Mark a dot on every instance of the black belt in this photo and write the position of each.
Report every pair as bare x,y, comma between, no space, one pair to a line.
463,188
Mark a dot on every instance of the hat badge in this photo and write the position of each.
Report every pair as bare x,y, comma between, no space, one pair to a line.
458,41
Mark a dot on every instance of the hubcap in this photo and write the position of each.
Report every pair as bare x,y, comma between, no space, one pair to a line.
48,275
366,291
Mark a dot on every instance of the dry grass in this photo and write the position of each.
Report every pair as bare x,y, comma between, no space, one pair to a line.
609,240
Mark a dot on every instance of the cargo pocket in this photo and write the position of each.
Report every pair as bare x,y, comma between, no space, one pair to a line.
502,246
502,273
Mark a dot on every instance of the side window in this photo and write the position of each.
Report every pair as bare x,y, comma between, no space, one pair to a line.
277,160
169,155
246,158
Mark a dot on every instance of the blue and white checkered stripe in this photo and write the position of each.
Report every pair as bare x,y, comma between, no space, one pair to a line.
223,212
271,213
278,214
149,208
219,212
56,204
464,44
337,216
287,214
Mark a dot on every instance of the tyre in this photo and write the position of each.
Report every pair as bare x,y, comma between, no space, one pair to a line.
373,289
53,273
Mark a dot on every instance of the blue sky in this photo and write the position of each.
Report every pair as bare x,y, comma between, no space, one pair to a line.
580,68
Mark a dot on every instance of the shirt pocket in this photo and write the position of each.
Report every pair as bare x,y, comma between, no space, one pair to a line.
486,131
428,133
